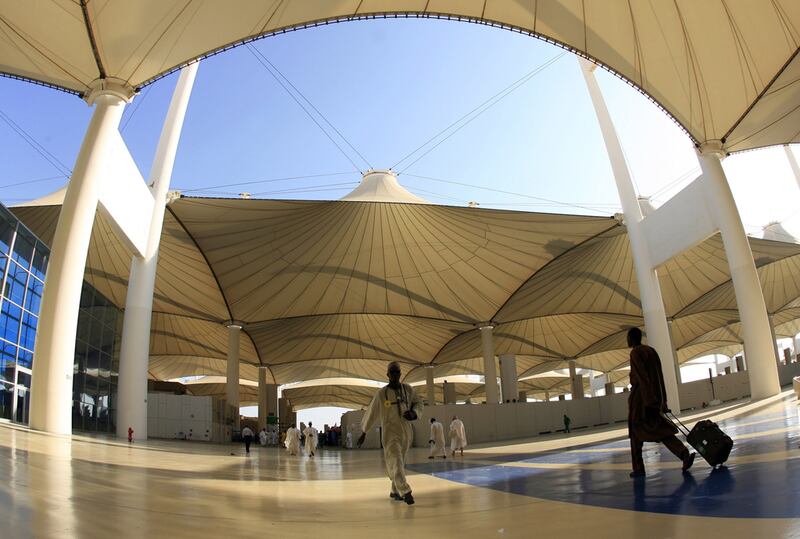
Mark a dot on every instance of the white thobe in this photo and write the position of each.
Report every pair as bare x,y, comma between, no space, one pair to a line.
387,408
458,436
293,440
437,435
262,437
311,440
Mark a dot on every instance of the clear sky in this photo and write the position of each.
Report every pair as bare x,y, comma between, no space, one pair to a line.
388,86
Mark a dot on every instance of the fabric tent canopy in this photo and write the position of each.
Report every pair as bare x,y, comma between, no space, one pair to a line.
723,70
341,288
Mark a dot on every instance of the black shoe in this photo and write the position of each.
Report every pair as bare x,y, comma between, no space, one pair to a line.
430,457
408,498
688,461
636,474
395,496
444,456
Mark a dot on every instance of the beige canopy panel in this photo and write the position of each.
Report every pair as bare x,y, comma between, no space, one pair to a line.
340,289
723,70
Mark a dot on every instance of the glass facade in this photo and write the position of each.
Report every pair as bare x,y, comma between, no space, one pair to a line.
23,262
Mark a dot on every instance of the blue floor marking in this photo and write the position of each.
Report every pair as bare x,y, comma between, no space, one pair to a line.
743,490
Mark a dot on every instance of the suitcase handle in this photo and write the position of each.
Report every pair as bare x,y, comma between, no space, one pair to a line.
685,430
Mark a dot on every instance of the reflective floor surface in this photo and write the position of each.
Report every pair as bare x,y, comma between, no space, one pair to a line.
568,486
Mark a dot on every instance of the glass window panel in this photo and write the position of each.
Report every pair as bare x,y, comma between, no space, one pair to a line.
25,358
10,316
92,360
34,298
6,400
3,264
7,225
40,258
89,394
23,248
24,379
95,332
107,344
89,418
83,325
77,386
105,366
7,369
103,388
86,296
102,419
110,318
16,282
27,336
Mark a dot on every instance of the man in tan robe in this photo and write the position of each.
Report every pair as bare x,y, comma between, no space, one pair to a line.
394,407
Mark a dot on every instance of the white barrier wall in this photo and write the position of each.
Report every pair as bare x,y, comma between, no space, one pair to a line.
499,422
183,417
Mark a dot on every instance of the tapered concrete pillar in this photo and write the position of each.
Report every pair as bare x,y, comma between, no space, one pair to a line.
449,392
262,398
675,358
508,377
655,318
285,413
134,353
576,381
793,163
51,384
522,396
430,388
778,356
610,388
272,400
758,343
232,378
547,395
489,369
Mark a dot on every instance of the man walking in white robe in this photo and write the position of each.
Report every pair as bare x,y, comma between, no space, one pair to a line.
394,407
311,439
458,436
436,441
262,437
293,440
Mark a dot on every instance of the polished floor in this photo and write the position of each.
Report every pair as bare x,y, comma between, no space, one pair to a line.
565,486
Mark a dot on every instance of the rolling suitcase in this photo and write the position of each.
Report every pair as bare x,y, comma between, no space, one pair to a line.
707,439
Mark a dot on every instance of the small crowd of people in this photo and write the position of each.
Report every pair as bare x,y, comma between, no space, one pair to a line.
458,438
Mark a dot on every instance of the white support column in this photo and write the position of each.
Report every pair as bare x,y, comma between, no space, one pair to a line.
675,358
758,345
489,369
508,377
576,381
272,399
134,354
232,378
262,398
792,163
51,384
655,319
778,356
431,389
